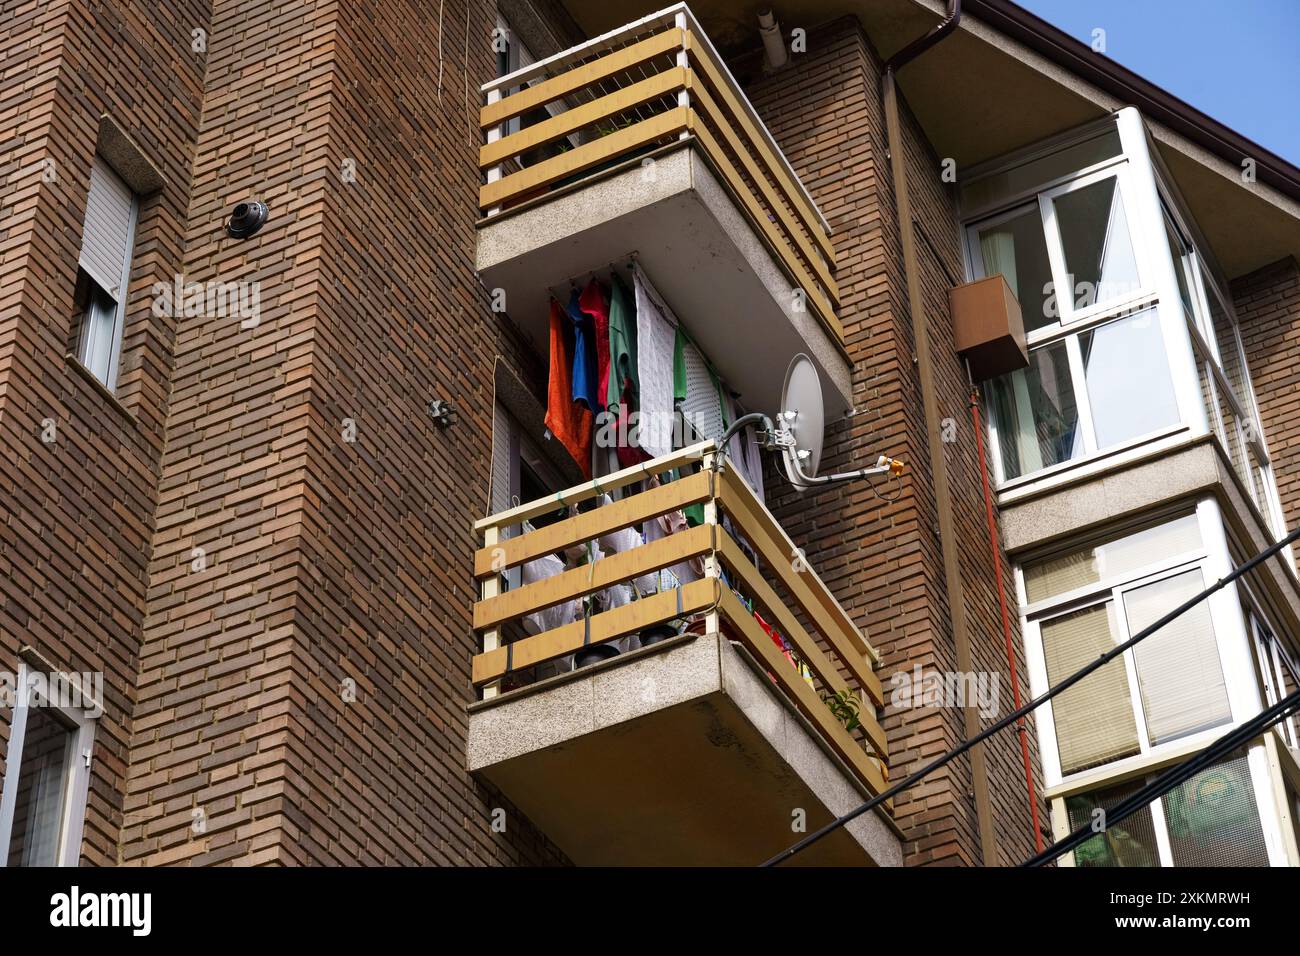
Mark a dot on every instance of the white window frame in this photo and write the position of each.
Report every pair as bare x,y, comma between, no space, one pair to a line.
1092,452
1145,290
1270,663
1261,788
1236,660
118,297
1072,322
77,787
1146,194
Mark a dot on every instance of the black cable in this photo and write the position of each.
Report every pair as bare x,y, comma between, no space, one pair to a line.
1034,704
1172,777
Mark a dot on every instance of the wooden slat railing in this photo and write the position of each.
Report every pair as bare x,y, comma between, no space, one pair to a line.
789,594
647,85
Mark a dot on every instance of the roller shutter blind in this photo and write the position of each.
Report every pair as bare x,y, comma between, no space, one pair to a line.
505,459
1178,667
1094,718
106,234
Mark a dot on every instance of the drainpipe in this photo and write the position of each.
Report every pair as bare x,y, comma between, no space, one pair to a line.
929,401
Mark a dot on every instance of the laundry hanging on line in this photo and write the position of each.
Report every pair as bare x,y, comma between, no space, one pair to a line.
567,420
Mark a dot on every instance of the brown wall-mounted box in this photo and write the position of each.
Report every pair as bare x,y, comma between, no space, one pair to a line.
987,327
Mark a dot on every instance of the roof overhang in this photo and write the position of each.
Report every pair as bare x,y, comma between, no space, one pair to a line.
1023,80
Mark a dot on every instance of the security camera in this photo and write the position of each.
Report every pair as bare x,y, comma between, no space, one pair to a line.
247,218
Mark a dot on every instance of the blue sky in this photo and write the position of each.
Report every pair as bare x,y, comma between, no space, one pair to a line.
1235,60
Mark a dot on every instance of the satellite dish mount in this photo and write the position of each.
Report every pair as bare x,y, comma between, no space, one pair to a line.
799,430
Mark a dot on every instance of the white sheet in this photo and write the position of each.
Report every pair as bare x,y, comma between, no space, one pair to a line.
656,335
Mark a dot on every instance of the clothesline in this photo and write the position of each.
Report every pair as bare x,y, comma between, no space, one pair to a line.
628,261
623,365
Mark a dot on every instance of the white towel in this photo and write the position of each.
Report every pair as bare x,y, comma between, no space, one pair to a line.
656,336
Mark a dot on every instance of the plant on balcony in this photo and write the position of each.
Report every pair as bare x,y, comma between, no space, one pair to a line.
846,707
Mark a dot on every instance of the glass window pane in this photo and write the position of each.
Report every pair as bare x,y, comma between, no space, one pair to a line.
1208,396
1179,251
1094,718
1130,391
42,787
1042,170
1225,338
1016,249
97,334
1213,819
1130,842
1095,239
1036,412
1235,449
1178,667
1113,559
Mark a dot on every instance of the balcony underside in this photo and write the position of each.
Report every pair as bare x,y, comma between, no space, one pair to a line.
680,754
701,252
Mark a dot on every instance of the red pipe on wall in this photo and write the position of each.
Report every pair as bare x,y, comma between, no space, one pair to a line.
977,421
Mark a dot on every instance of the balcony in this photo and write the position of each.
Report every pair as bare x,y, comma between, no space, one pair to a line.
640,144
703,747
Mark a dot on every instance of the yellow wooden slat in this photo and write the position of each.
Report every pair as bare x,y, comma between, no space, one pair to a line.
706,106
584,527
737,186
800,694
699,54
607,484
809,591
753,585
583,580
588,114
558,87
584,157
628,619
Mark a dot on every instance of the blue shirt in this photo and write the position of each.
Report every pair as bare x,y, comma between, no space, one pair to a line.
586,376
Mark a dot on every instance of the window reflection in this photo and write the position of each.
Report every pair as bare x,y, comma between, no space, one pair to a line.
1095,239
1037,413
1130,391
1015,248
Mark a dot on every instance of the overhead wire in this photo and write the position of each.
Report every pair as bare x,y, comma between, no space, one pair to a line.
1052,692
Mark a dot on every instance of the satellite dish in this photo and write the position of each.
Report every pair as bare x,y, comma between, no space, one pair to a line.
803,416
799,430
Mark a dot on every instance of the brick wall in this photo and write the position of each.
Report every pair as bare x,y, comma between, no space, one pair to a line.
74,543
334,558
1268,308
882,558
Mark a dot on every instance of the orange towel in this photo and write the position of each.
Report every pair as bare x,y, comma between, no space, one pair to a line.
568,421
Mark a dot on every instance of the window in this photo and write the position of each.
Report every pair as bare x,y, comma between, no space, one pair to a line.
1015,248
1085,602
1083,393
43,803
1098,376
1210,820
1130,391
512,55
105,263
1100,264
1276,673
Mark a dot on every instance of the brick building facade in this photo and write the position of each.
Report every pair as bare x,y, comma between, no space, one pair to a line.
261,538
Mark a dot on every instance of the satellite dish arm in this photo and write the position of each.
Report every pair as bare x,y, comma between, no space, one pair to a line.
744,421
883,464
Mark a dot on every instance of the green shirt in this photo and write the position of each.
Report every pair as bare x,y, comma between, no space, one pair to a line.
622,343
